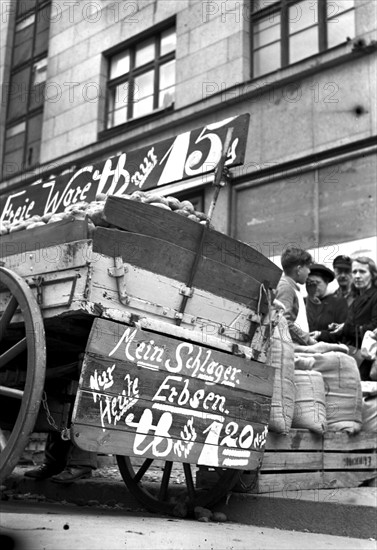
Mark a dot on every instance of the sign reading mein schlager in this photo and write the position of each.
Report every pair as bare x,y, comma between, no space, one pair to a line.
187,155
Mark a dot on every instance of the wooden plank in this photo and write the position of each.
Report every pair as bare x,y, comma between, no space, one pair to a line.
341,441
109,380
140,416
109,342
297,482
305,460
330,441
173,261
293,441
147,220
48,235
350,461
282,461
148,446
52,259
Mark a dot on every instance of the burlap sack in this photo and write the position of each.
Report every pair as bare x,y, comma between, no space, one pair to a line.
369,414
283,397
310,402
343,391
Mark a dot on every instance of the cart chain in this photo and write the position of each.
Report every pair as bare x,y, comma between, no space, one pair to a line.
65,431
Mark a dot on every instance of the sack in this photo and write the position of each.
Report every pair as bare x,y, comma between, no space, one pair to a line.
321,347
343,391
283,395
310,402
369,345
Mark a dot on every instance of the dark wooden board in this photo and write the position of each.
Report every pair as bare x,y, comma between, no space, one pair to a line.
155,222
170,260
92,439
51,234
113,378
113,341
145,385
111,412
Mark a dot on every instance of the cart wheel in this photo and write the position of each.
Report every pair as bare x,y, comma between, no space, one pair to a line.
23,350
176,497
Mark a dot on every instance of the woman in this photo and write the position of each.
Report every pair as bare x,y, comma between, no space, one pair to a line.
323,309
362,314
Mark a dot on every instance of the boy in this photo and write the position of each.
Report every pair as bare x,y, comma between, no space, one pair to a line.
296,264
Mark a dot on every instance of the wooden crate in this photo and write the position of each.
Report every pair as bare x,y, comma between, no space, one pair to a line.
303,460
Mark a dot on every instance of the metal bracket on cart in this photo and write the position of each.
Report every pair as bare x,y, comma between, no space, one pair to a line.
118,272
40,283
186,291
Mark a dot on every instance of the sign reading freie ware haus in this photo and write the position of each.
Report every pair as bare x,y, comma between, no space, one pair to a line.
187,155
149,395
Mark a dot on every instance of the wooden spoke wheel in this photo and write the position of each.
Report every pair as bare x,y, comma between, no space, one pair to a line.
22,364
170,489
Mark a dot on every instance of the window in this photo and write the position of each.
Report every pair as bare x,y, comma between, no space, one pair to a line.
141,78
286,31
26,86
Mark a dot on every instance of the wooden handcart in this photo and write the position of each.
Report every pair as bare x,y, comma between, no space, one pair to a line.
145,338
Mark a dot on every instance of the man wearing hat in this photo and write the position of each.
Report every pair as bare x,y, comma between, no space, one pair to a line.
343,273
323,309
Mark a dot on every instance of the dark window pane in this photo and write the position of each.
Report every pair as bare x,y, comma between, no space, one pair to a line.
23,45
18,94
34,135
13,157
260,4
43,27
15,142
36,96
23,6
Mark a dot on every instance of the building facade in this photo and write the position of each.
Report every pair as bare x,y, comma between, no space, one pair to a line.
85,81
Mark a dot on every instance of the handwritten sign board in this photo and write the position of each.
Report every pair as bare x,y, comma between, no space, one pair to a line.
187,155
149,395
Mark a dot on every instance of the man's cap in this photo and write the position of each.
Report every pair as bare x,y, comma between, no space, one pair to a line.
323,271
342,261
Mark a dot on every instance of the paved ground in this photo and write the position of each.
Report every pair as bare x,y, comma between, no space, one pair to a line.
340,512
33,526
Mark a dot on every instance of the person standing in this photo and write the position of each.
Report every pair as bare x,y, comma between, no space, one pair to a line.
342,266
296,264
362,314
63,462
322,308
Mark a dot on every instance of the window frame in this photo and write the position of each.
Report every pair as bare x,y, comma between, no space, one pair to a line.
259,11
136,71
32,110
